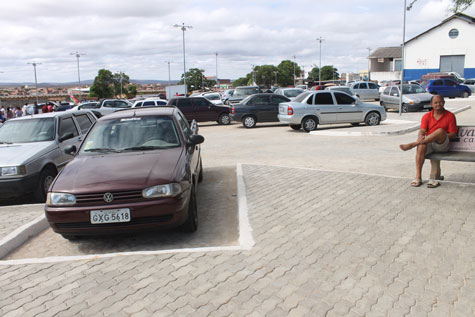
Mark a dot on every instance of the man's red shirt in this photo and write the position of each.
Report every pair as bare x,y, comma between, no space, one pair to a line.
446,121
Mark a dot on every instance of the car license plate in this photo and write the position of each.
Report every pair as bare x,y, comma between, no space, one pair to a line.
110,215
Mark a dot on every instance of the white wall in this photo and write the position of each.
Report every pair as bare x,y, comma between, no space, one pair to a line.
425,51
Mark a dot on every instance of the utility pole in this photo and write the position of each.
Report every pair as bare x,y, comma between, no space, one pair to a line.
184,27
275,73
169,80
320,39
402,51
294,69
253,75
217,80
0,95
36,82
369,63
79,76
120,72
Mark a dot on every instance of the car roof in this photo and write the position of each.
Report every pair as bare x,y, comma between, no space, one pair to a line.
58,114
153,111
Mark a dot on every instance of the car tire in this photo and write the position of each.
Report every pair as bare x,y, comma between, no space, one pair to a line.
191,224
224,119
309,124
47,176
295,126
373,118
404,108
464,94
249,122
200,175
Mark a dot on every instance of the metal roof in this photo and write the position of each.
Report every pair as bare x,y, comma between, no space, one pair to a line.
387,52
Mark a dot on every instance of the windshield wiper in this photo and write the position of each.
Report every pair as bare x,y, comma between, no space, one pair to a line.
1,142
141,148
102,149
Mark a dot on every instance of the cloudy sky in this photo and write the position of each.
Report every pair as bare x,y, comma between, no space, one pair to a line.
138,37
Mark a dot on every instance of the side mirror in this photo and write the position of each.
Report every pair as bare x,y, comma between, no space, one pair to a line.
196,139
66,136
70,150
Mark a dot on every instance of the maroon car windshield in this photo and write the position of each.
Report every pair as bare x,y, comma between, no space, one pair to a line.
131,134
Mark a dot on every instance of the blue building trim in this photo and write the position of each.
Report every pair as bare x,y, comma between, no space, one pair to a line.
416,74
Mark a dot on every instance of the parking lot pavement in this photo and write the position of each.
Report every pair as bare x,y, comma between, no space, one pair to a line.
13,217
326,243
217,206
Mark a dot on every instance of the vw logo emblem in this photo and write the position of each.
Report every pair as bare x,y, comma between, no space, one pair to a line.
108,197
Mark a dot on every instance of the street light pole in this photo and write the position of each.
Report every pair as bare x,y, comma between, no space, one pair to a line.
320,39
369,63
79,76
169,80
294,69
275,73
184,27
402,53
217,80
36,82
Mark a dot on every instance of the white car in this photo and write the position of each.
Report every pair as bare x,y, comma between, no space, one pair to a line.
214,97
365,90
149,102
290,93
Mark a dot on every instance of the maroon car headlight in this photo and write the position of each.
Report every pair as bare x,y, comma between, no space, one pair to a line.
60,199
167,190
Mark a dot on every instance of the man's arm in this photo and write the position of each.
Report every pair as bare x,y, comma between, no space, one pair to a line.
452,135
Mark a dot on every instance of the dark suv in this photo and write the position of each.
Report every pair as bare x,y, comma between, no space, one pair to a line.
201,109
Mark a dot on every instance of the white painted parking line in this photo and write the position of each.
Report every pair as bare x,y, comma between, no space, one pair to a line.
246,240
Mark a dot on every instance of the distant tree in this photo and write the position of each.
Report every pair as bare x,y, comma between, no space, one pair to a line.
313,74
265,75
194,79
131,91
329,73
285,77
243,81
120,80
103,85
460,5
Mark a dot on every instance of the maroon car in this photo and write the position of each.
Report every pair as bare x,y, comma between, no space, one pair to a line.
136,169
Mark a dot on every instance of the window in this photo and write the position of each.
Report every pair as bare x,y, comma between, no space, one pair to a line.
184,125
30,130
454,33
278,99
324,98
67,125
373,86
183,102
397,65
120,104
84,122
261,100
200,102
386,91
437,83
109,104
310,100
363,86
450,83
138,104
394,92
161,103
343,99
356,86
148,104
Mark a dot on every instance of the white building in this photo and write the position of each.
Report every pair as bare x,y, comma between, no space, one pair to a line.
385,63
448,46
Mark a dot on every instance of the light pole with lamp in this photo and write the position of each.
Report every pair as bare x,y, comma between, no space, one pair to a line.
169,80
36,82
406,8
320,39
79,76
294,68
184,27
217,80
1,95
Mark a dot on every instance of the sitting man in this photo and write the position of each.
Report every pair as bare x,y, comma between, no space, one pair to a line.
437,127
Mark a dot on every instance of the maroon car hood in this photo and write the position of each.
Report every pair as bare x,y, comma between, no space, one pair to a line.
118,171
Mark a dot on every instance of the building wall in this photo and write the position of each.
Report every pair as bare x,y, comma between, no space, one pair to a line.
423,54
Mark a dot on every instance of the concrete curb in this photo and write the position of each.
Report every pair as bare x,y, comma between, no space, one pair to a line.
386,133
20,235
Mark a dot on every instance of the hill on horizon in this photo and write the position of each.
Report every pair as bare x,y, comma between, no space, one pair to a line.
85,82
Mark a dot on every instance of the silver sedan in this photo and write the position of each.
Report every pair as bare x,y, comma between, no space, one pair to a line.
310,109
414,98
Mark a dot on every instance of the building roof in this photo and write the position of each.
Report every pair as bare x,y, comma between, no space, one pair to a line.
457,15
387,52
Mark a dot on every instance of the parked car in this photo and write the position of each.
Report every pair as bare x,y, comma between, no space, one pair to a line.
226,95
414,98
151,184
106,106
447,87
150,102
470,83
303,87
365,90
242,92
425,79
214,97
31,150
201,109
257,108
310,109
345,89
290,93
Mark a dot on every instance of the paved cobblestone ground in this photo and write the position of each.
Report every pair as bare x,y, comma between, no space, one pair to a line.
217,207
327,243
13,217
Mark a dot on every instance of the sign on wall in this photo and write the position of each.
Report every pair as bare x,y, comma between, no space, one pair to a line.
465,141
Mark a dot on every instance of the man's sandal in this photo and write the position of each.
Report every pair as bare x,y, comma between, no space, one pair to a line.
433,183
416,182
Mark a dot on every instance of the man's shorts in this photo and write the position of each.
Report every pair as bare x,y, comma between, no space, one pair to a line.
436,147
